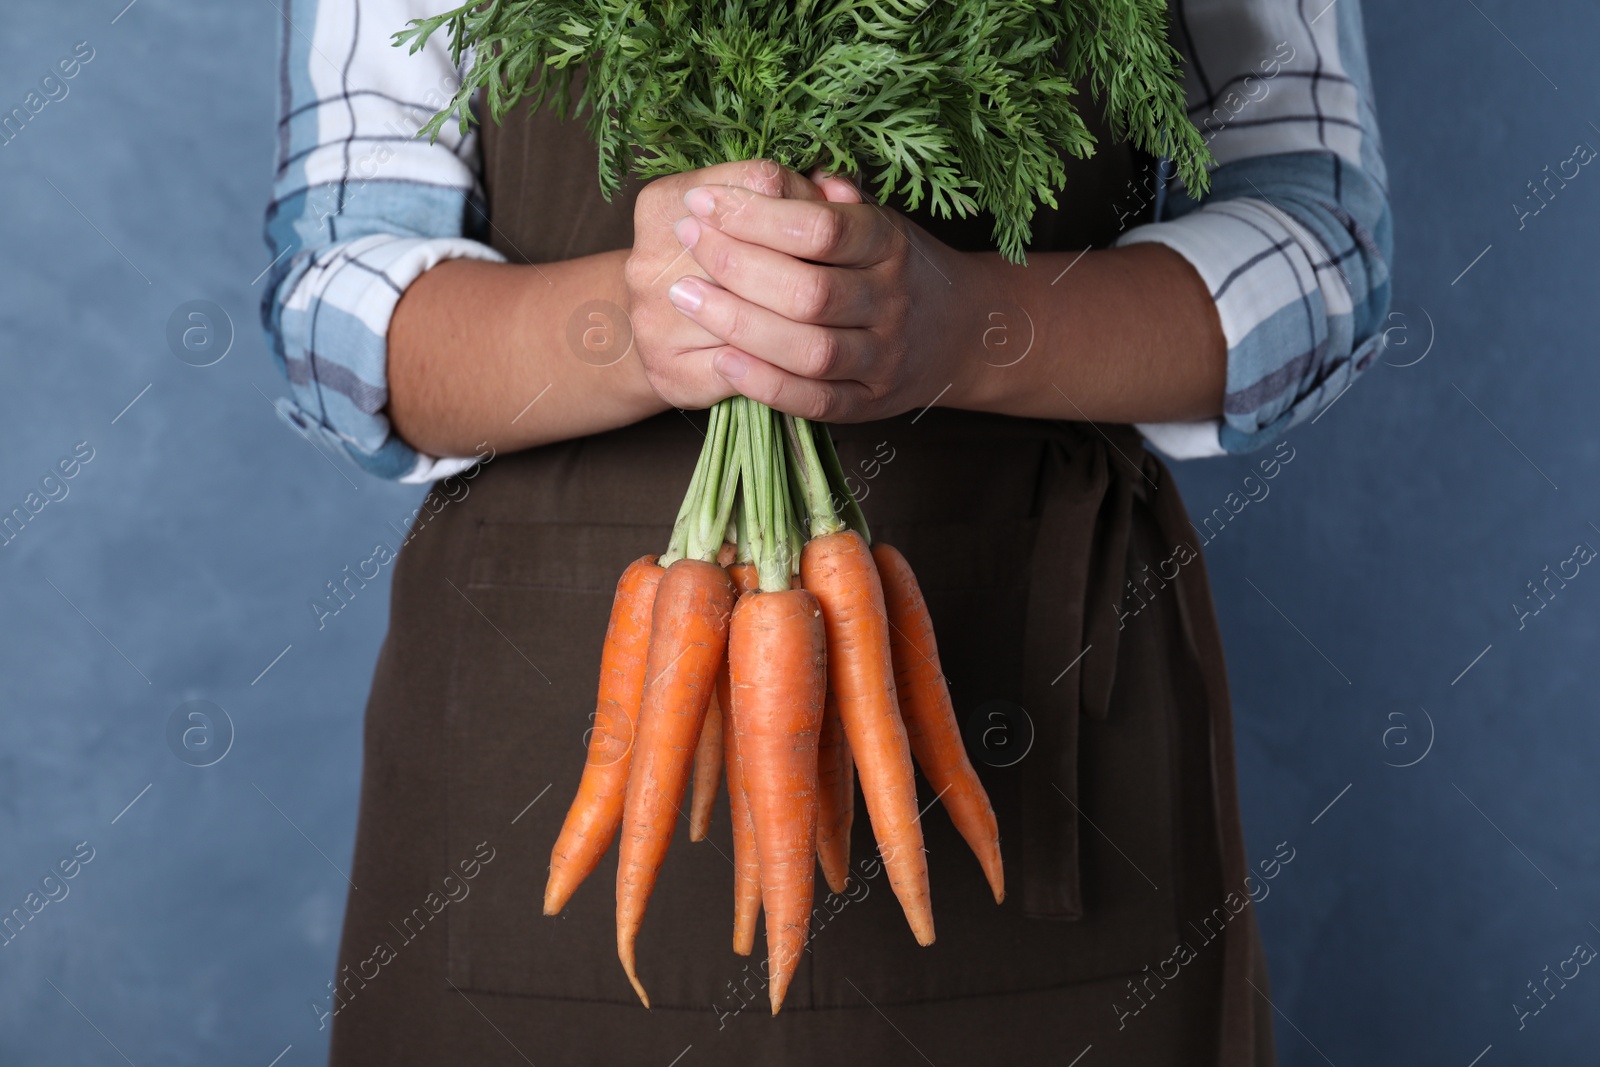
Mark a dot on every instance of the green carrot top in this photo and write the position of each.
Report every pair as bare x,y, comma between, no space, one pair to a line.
965,104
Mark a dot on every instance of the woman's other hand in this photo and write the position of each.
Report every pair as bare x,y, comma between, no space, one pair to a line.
831,309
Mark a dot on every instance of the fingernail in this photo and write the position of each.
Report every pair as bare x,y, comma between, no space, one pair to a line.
731,365
685,295
687,230
700,201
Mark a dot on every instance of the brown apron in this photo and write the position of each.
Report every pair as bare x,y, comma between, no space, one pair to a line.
1077,634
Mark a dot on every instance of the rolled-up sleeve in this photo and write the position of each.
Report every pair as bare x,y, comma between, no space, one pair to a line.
360,209
1294,238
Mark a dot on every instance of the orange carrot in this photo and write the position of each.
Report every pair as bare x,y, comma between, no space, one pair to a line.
746,865
838,568
777,665
688,638
596,812
708,754
707,771
930,717
744,578
836,804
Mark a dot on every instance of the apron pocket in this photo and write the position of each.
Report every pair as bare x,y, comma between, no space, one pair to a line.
521,700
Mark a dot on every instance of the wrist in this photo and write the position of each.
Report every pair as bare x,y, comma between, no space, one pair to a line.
985,334
575,353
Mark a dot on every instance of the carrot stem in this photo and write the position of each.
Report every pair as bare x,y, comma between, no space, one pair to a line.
705,532
728,481
848,506
702,523
785,524
744,549
677,543
765,494
812,477
756,468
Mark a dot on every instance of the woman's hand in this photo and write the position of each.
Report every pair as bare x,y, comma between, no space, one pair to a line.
677,352
835,310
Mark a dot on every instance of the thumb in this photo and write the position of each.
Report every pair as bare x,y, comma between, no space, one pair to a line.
836,188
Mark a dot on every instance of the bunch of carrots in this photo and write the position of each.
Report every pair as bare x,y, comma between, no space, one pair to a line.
771,641
805,655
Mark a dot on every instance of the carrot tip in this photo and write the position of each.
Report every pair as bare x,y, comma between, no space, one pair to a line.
744,936
638,987
996,876
626,958
697,833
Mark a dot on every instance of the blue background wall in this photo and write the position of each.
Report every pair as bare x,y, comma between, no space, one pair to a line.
1383,563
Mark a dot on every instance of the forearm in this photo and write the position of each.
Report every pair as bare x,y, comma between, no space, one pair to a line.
473,344
1124,335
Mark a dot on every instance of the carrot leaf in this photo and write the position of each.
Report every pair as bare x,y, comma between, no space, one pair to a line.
966,105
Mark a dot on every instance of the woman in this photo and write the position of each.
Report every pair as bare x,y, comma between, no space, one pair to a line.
475,311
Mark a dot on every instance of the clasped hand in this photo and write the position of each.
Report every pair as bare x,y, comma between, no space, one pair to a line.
750,278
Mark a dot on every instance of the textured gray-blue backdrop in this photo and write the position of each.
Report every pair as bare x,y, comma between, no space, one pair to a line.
1368,600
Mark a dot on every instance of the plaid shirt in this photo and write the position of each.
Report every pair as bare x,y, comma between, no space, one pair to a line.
1293,239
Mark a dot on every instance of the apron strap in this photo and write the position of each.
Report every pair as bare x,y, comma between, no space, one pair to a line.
1122,449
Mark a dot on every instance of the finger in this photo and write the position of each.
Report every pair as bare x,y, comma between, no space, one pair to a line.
836,188
800,348
661,203
797,290
846,235
789,393
760,177
695,385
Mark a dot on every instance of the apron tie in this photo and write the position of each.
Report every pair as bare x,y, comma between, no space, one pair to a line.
1077,598
1070,646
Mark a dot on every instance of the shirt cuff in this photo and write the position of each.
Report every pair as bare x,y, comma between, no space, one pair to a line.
1184,440
430,469
1276,292
335,330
